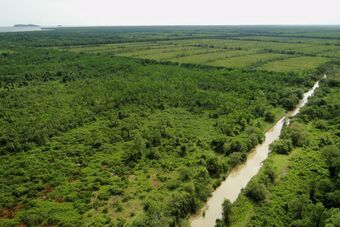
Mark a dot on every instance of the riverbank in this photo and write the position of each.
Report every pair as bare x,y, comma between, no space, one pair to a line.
242,174
244,208
297,175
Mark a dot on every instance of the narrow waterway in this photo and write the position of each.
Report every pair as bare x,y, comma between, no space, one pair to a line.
241,175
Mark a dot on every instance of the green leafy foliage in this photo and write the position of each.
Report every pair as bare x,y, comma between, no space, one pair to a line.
282,146
99,129
256,192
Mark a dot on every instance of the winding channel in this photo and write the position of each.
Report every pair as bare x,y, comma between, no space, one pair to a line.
238,178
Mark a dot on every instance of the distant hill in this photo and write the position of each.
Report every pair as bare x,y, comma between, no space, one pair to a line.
26,25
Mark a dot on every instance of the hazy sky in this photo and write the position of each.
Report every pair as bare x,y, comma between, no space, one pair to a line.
168,12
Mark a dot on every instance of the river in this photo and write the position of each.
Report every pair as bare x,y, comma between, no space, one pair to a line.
241,175
19,29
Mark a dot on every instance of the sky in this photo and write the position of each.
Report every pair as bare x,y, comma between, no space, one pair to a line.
168,12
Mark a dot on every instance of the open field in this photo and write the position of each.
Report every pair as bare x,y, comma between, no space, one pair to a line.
296,64
265,53
332,54
248,60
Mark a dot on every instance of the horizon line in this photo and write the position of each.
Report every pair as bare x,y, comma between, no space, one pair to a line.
172,25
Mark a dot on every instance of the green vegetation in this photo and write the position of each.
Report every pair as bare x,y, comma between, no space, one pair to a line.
304,169
250,54
294,64
136,126
112,136
226,218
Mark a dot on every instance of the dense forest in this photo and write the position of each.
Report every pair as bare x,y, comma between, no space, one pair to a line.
97,130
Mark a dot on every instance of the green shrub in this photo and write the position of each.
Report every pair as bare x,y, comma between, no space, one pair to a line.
236,158
226,211
282,146
296,133
269,117
256,191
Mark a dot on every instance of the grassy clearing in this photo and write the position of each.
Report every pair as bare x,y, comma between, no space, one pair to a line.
298,40
121,48
256,52
332,54
210,57
172,54
297,64
248,60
